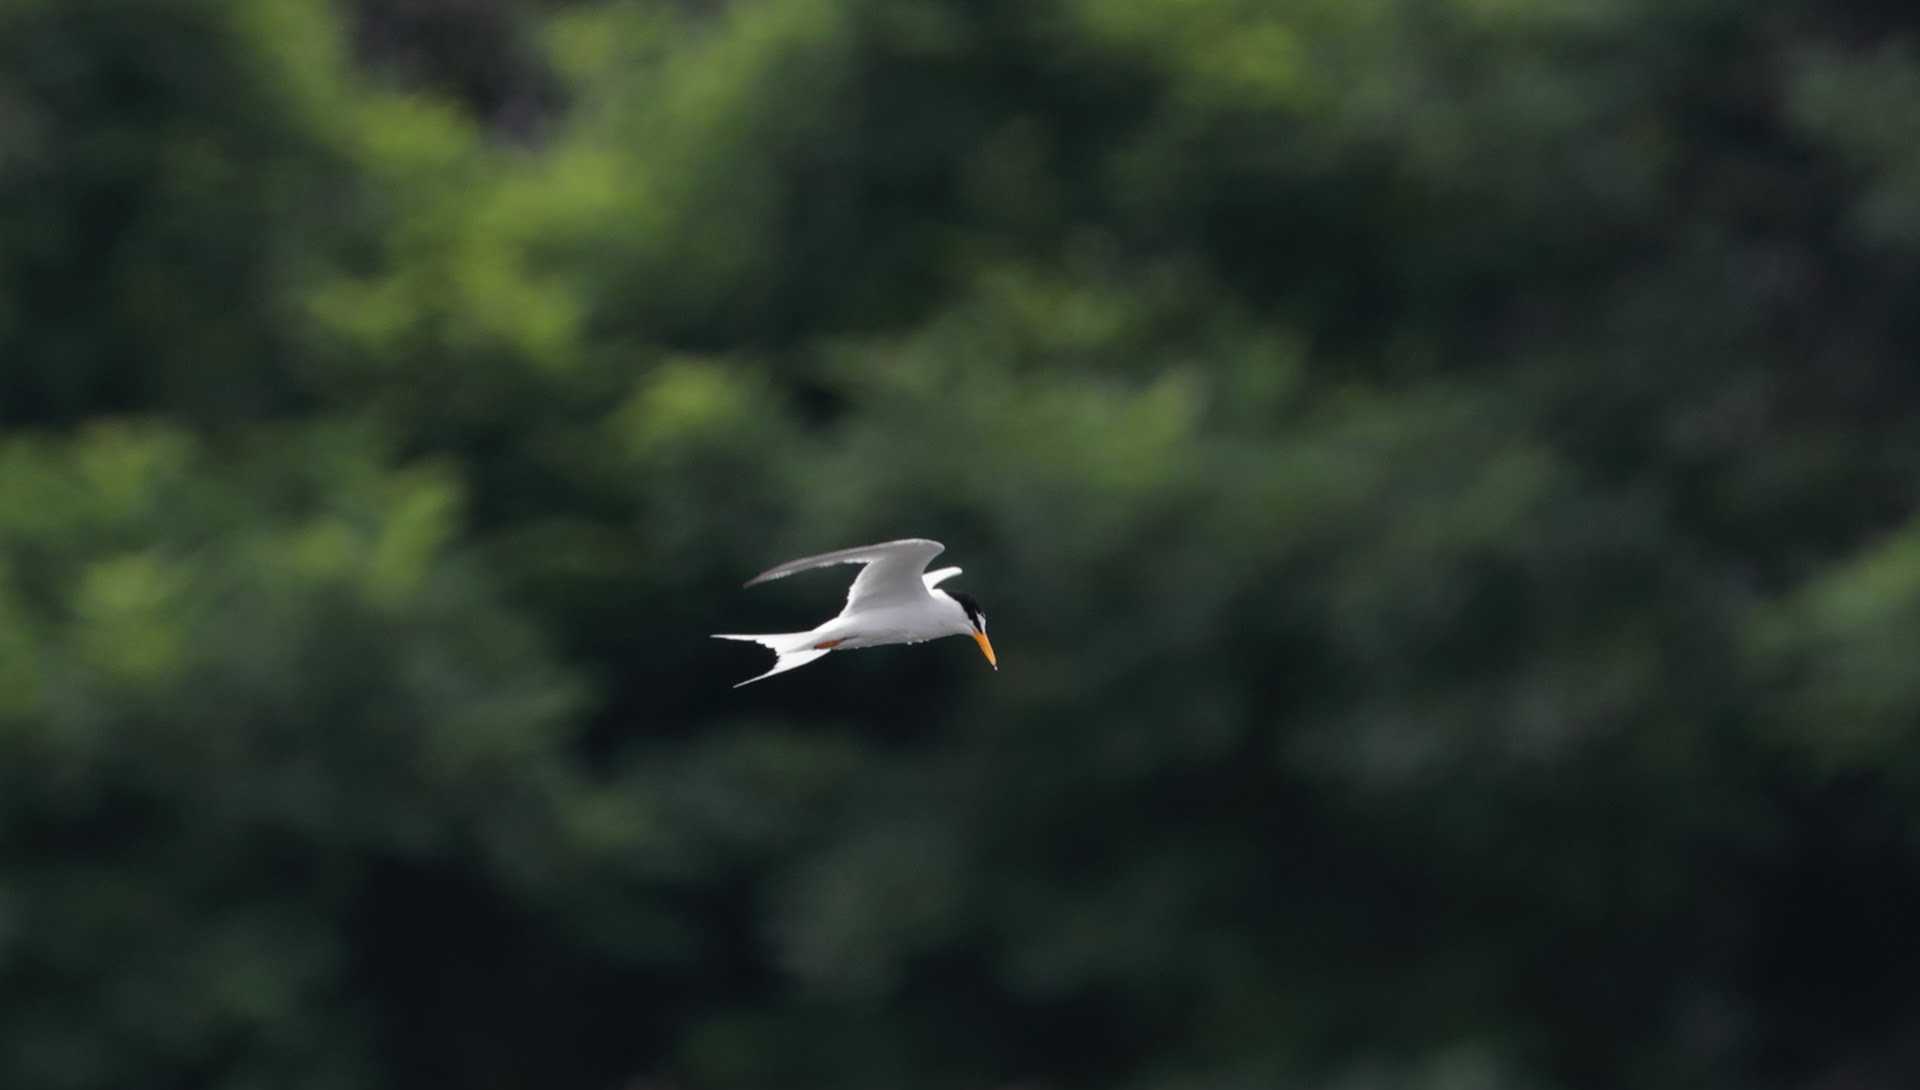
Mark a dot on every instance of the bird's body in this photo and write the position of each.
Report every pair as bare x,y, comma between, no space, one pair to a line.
893,600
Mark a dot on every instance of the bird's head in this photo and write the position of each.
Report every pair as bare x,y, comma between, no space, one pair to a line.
976,623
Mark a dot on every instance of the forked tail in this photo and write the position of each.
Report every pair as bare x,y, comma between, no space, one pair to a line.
793,648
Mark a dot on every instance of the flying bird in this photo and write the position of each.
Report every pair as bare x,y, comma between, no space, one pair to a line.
894,599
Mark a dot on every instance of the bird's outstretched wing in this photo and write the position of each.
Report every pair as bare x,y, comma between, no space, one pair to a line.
892,573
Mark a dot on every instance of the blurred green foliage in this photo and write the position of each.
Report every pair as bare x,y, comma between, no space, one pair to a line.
1442,475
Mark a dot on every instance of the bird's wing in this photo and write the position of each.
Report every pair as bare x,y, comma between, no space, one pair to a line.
892,570
934,578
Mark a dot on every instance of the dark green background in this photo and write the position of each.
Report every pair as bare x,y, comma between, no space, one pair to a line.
1442,474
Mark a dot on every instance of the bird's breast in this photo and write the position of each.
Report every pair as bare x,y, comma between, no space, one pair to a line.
890,626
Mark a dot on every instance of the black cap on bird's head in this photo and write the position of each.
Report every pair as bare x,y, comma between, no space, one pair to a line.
978,619
974,617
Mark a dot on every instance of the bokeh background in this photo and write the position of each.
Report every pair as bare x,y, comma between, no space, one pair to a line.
1442,474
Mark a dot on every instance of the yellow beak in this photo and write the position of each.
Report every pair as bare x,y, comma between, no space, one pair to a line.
986,647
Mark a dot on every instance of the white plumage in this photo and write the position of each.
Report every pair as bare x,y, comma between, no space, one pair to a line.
894,599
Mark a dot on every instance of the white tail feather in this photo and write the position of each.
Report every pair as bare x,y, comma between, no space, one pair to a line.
793,660
791,647
772,641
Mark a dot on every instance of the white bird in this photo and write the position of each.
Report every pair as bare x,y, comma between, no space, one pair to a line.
894,599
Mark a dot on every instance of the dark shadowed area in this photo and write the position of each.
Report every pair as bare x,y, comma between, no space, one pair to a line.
1443,475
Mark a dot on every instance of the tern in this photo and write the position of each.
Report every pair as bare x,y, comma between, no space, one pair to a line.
894,599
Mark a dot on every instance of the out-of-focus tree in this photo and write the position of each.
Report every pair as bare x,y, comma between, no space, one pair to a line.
1440,475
